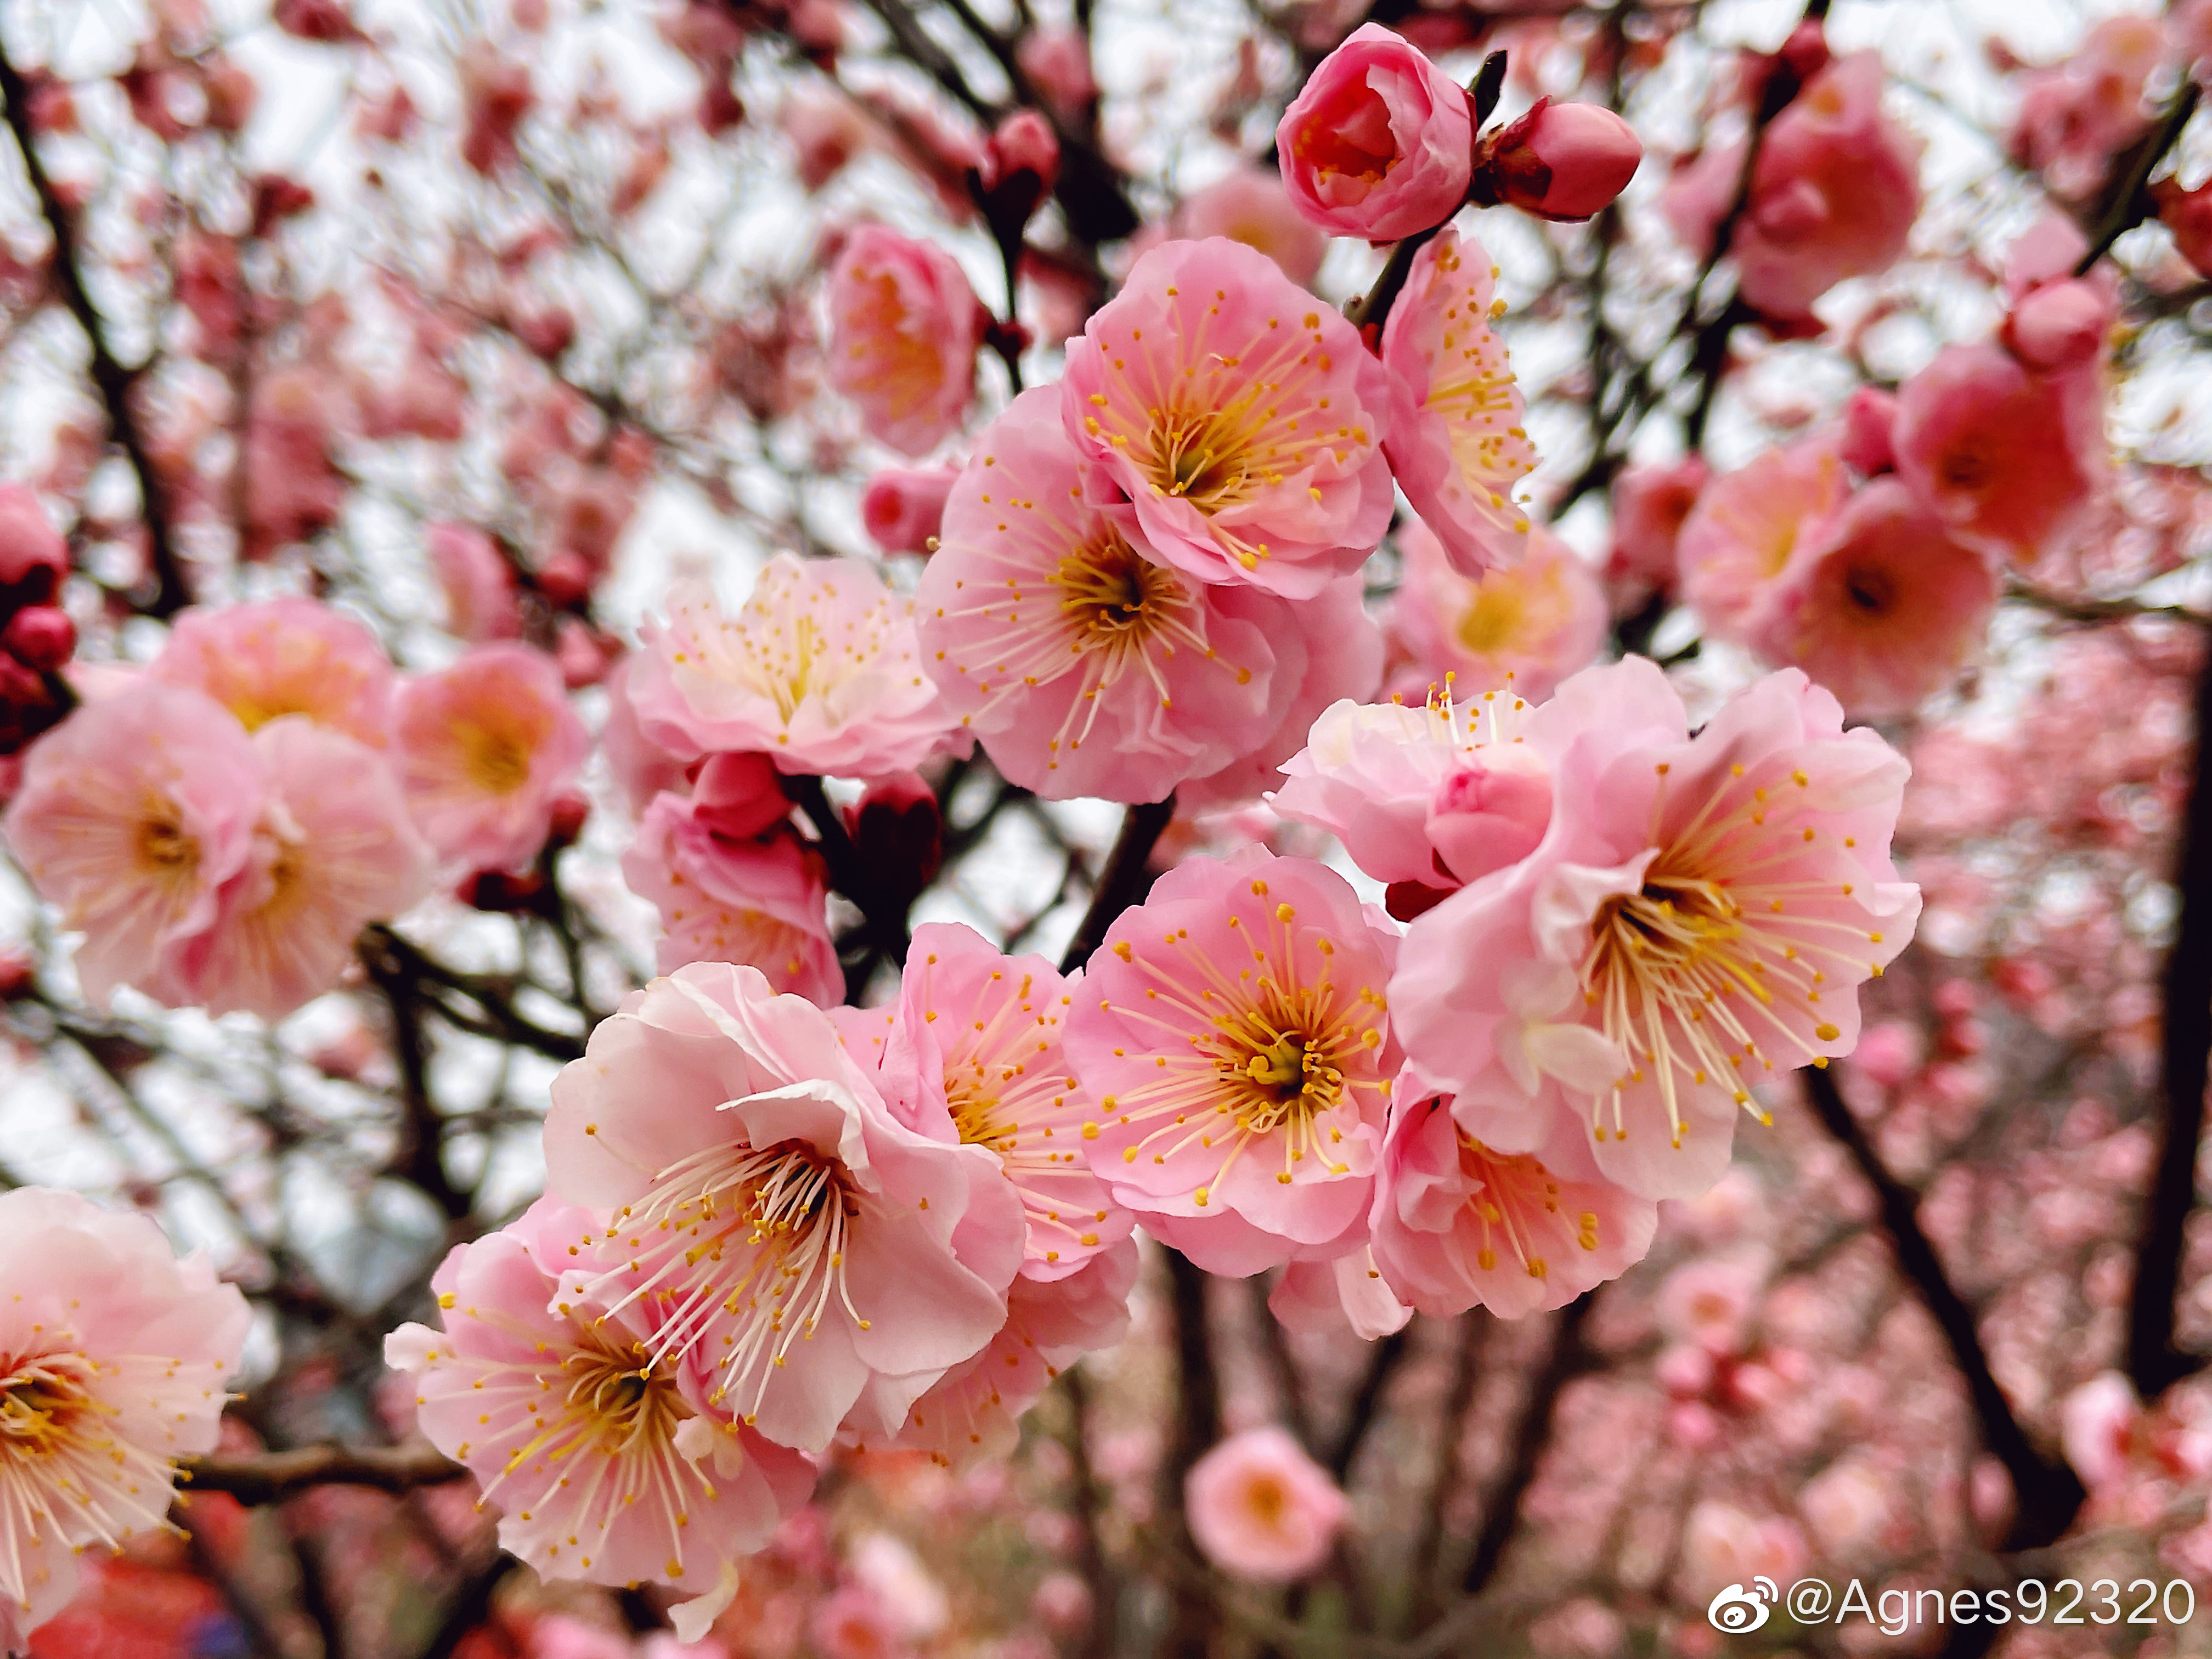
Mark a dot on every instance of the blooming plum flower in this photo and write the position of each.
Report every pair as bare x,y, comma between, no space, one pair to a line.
1347,1292
288,656
820,669
1456,443
1706,905
2075,117
1249,204
1458,1225
761,903
477,580
818,1256
1378,143
485,749
1236,426
1651,503
1086,667
1748,524
1529,625
1710,1303
905,326
112,1356
1232,1035
579,1427
1881,606
1260,1508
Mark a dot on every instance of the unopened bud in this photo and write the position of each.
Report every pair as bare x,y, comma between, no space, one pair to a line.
1559,162
40,637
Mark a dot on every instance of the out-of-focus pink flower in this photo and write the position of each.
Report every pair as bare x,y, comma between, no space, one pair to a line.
1378,141
563,1638
2188,215
1457,1225
902,507
1711,1303
485,747
288,656
133,814
2060,325
1526,626
819,670
1424,793
1564,162
1249,205
641,768
112,1355
477,581
1888,1054
760,902
207,285
495,95
1834,195
334,850
34,558
1021,163
904,327
1456,443
2097,1424
1243,1126
1260,1508
329,22
572,1414
1880,605
1867,443
854,1622
2075,117
1057,58
1241,423
1647,908
1085,665
1649,504
1741,535
735,1116
293,493
2012,461
826,130
1722,1545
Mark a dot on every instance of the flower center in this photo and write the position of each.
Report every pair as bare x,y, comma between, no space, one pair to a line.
1109,592
494,760
1514,1204
163,844
41,1402
1493,621
1873,592
1267,1499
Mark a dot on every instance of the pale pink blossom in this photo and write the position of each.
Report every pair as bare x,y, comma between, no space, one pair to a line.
1746,525
1057,58
1260,1508
1239,422
112,1356
642,769
289,656
2075,117
1457,1225
477,580
1834,194
904,508
1529,625
1085,665
1247,204
1426,793
821,1260
1649,505
484,748
132,815
820,669
1698,919
577,1422
904,327
2097,1428
1560,160
854,1622
1378,141
762,902
1233,1038
1879,605
1723,1544
496,96
1456,443
1711,1303
826,130
1847,1505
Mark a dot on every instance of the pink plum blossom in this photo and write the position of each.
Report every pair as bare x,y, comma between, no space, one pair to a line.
762,902
1347,1293
288,656
1260,1508
1378,141
826,130
1057,58
578,1425
1746,525
1711,1303
1880,605
798,1207
1457,1225
1834,194
485,747
2097,1424
641,768
1086,667
2075,117
904,506
1456,443
905,325
1239,1112
1651,503
1529,625
1698,916
1249,205
112,1356
477,582
1236,426
1723,1544
820,669
133,814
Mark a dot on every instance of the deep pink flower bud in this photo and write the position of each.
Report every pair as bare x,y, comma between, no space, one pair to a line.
565,579
1379,143
1025,142
565,819
1868,420
2188,215
2059,325
1563,161
739,795
40,637
904,506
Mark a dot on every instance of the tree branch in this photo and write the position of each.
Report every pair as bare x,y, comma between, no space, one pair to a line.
272,1476
1501,1511
1123,881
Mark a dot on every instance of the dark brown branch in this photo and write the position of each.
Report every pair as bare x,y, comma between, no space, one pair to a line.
1422,1587
2131,203
113,381
1089,1505
272,1476
1383,1358
1124,880
1501,1510
885,934
2048,1494
1282,1365
1197,1427
2185,1042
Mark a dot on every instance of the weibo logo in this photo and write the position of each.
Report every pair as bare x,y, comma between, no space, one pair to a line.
1737,1610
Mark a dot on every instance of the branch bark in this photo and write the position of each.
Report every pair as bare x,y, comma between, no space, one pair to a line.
1123,881
272,1476
1501,1512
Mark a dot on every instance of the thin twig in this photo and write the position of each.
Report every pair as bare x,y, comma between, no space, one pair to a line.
272,1477
1123,881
